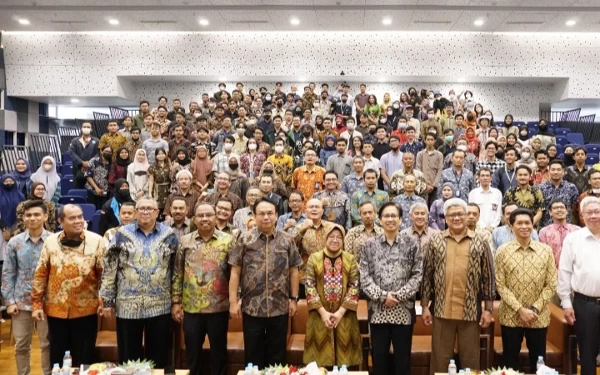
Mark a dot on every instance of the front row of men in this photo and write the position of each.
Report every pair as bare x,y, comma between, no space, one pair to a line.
146,275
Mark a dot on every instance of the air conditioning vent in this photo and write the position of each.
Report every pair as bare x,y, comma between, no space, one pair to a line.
249,22
159,22
525,23
67,22
433,22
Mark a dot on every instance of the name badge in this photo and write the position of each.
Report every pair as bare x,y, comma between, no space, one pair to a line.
457,194
317,186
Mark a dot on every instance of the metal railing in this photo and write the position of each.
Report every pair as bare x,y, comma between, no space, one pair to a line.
100,124
9,156
588,118
118,113
44,145
558,116
66,134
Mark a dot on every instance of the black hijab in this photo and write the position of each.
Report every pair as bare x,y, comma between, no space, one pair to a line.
123,162
186,160
543,130
119,196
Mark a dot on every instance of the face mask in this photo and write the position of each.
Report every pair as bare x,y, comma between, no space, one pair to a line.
124,191
233,166
396,106
382,121
107,155
344,100
431,96
568,154
462,147
372,131
240,132
523,133
86,131
452,96
227,146
306,134
279,149
470,117
9,186
268,171
525,155
221,88
390,113
251,147
47,168
433,132
350,126
70,242
430,116
449,138
268,98
212,105
402,125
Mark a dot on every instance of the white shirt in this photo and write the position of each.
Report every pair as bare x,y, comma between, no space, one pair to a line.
578,266
372,163
490,206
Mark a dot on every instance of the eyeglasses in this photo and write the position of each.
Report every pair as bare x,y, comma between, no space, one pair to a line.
390,216
458,214
201,216
145,209
337,238
590,213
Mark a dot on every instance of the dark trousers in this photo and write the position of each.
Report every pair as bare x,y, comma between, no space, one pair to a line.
77,335
154,331
512,337
265,340
195,329
400,336
79,180
587,329
96,200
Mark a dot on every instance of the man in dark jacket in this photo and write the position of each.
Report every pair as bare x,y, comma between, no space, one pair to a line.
82,150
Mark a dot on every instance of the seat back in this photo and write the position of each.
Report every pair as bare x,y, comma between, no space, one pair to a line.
67,182
106,324
576,138
300,320
79,192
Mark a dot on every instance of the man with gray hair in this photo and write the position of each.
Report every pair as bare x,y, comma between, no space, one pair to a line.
458,275
222,185
142,255
420,229
407,199
185,192
578,275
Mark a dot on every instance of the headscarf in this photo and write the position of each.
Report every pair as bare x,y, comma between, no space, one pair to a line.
140,170
523,137
123,162
504,124
470,138
341,230
186,160
33,187
545,131
451,186
119,198
21,178
9,200
327,151
201,167
49,179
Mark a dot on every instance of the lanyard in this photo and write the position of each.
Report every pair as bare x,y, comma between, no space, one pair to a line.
510,179
457,179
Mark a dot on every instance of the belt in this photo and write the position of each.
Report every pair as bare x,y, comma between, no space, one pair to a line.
587,298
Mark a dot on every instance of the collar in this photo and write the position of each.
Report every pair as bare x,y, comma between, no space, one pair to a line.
62,235
413,230
185,224
383,238
214,235
156,228
264,236
469,234
43,236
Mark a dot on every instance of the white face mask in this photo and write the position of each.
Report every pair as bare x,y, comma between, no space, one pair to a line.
47,167
240,132
350,126
462,147
390,113
279,149
525,155
431,97
227,146
86,131
402,125
430,115
396,106
452,96
252,147
433,132
382,121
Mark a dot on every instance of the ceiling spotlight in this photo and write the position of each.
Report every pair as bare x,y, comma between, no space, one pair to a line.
203,22
387,21
295,21
222,79
381,79
479,22
461,79
571,23
113,21
74,100
301,79
24,21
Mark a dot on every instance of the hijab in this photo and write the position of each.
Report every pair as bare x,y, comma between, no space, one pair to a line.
33,187
504,124
472,137
119,198
9,200
49,179
123,162
202,167
543,130
140,170
21,178
186,160
521,136
451,186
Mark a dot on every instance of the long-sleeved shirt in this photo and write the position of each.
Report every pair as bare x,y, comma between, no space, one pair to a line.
457,276
338,208
490,206
397,182
525,278
566,192
554,235
137,272
462,182
67,279
396,268
22,255
201,273
504,178
504,234
578,267
431,165
377,197
83,151
357,236
352,183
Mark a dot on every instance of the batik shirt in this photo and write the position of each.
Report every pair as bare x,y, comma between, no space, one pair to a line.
378,198
98,171
22,255
138,270
357,236
532,198
338,209
462,182
201,273
565,192
405,202
265,278
554,236
396,268
67,279
397,182
351,184
578,178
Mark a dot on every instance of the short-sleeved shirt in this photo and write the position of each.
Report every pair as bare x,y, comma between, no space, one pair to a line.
265,279
98,171
566,192
532,198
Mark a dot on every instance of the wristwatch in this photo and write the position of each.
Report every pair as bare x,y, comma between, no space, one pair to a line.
294,298
490,310
534,310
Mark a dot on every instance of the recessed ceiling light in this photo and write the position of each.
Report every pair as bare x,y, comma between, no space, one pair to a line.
301,79
222,79
74,100
571,23
24,21
461,79
381,79
295,21
386,21
113,21
203,22
479,22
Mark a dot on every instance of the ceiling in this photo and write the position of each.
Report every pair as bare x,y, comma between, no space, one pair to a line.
313,15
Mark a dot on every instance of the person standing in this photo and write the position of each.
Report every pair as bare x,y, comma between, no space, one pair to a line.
408,168
460,178
369,194
420,229
296,216
594,191
558,188
309,178
22,255
578,277
391,269
354,181
464,259
488,199
407,199
200,290
335,202
526,280
113,138
264,263
83,150
97,177
554,234
65,287
524,195
340,162
136,285
431,163
504,178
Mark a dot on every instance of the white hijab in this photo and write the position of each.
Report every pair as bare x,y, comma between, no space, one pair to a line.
49,179
140,180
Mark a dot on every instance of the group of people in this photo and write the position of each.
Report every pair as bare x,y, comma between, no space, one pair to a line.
251,201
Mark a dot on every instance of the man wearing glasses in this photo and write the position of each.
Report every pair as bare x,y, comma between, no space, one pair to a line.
464,259
200,293
142,254
264,262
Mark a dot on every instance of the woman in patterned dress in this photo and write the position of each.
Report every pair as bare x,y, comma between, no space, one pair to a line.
159,181
331,279
182,161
